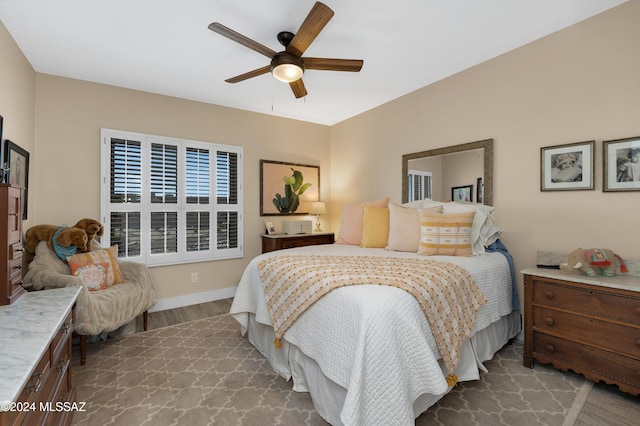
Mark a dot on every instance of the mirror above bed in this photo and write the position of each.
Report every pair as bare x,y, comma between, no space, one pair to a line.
455,173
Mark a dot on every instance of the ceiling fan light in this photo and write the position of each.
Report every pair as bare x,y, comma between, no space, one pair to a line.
287,67
287,72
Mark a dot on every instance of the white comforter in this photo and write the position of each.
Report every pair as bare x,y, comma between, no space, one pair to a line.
375,340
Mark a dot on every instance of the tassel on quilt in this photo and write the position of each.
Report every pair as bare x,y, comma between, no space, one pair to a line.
278,343
452,379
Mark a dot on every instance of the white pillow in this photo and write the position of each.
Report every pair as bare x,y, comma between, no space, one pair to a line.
428,203
484,231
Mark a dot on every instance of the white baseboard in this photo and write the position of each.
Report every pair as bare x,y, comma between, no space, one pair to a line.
193,299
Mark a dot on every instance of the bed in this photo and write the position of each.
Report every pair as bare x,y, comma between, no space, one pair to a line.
366,353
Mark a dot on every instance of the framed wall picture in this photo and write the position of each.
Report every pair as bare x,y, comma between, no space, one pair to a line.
462,194
567,167
272,186
17,160
621,161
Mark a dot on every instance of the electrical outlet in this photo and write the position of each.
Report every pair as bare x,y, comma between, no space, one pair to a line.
194,277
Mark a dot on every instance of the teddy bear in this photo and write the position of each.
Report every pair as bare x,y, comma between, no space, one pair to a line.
64,237
92,227
591,261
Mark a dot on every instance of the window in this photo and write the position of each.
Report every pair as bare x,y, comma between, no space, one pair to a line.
157,202
419,184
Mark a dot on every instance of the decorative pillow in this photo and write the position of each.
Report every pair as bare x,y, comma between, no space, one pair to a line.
404,227
352,217
445,234
484,231
97,269
375,226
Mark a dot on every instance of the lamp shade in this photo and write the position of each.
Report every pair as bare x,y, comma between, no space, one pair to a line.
287,67
317,207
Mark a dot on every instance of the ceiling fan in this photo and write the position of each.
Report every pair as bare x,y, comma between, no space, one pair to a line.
289,65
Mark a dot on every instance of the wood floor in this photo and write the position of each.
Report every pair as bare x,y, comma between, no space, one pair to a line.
188,313
605,405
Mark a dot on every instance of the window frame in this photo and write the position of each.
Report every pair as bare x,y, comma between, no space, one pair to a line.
146,207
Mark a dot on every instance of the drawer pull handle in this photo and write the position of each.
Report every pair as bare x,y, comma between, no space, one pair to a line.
35,383
66,327
550,348
549,321
60,366
548,294
20,250
17,267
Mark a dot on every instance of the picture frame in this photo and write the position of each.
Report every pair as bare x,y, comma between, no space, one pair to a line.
462,194
621,165
269,228
272,183
567,167
17,173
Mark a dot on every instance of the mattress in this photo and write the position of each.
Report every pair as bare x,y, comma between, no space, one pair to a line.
372,341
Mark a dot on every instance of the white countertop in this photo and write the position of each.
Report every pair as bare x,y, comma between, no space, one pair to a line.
622,282
27,327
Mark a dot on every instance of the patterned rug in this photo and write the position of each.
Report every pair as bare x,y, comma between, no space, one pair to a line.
205,373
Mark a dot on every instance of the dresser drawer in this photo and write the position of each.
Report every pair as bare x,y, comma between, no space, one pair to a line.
591,330
588,300
612,368
59,344
304,241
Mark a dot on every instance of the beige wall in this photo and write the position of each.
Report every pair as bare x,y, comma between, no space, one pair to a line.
582,83
17,97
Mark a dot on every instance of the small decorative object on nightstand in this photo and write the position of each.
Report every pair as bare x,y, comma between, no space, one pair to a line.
317,208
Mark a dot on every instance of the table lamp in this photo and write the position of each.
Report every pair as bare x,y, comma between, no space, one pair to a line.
317,208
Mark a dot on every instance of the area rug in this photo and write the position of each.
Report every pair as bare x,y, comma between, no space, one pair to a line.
205,373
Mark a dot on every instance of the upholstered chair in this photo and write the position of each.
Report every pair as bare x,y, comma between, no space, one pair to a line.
98,312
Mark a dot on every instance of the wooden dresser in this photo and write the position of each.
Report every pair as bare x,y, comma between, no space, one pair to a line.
285,241
35,379
10,244
588,325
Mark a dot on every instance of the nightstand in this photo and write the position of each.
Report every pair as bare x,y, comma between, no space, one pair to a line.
285,241
590,325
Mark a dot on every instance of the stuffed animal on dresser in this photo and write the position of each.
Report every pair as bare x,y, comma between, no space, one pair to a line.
593,261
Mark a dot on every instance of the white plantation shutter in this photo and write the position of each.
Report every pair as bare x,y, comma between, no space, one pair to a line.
419,184
156,198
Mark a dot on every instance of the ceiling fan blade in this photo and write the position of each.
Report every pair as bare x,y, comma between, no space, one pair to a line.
217,27
315,21
249,75
298,88
352,65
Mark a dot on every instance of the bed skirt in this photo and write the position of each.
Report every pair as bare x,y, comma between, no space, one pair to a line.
328,397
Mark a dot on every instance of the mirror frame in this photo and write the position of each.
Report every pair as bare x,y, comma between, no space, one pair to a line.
486,145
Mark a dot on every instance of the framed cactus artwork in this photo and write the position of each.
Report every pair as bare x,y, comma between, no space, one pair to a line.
287,188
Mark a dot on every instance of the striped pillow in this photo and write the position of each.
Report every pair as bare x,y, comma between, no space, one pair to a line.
445,234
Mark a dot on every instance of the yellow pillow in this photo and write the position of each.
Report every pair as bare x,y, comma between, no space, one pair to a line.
445,234
351,225
375,227
97,269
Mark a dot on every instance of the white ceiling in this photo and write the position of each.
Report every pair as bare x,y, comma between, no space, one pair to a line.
165,47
